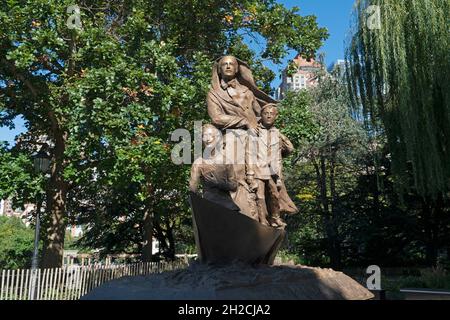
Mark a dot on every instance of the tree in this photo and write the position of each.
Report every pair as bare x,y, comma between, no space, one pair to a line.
328,154
350,214
410,234
131,72
398,73
398,77
16,244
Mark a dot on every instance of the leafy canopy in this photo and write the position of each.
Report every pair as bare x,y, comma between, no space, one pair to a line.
399,75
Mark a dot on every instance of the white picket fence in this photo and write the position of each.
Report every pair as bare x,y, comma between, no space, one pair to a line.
72,282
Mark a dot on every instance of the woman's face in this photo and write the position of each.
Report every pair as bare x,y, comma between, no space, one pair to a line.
228,67
210,136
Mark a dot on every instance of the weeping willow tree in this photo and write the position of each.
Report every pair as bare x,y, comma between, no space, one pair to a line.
398,74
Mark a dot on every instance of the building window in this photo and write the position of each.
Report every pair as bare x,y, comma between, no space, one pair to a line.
302,81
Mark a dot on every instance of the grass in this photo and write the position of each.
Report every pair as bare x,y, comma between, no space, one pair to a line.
284,257
392,280
433,278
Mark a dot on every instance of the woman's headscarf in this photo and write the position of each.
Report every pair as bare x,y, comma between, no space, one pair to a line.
245,77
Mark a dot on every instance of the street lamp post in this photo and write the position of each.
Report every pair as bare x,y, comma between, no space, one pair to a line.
41,165
34,261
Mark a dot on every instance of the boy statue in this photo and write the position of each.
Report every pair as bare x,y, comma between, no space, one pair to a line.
264,169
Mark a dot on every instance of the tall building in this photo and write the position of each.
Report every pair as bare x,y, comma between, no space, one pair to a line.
304,78
338,68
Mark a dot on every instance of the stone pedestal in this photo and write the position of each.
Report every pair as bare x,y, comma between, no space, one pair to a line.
235,282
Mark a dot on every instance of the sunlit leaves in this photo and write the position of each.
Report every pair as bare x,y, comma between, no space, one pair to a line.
117,87
399,75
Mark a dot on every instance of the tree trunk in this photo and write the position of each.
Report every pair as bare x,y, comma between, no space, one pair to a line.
430,233
147,237
321,177
170,238
52,256
335,254
322,186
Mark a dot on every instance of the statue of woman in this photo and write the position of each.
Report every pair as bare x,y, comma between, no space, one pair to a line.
234,101
211,171
234,105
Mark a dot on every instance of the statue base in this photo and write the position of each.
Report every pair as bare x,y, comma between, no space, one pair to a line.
235,282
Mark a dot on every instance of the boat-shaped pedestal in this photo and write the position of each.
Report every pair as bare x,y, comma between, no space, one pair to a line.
224,236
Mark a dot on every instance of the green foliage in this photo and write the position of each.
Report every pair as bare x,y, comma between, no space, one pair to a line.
185,238
287,257
16,244
109,94
319,121
399,75
370,214
296,119
329,143
18,180
399,83
343,182
435,278
70,242
431,278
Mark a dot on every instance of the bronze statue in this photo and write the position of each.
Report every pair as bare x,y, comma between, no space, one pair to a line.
238,217
234,105
234,101
216,176
264,169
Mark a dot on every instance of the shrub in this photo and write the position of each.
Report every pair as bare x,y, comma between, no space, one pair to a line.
16,244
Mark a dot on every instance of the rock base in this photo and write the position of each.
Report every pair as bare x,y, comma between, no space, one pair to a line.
235,282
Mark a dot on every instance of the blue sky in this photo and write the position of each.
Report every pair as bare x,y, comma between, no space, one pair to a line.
331,14
9,135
